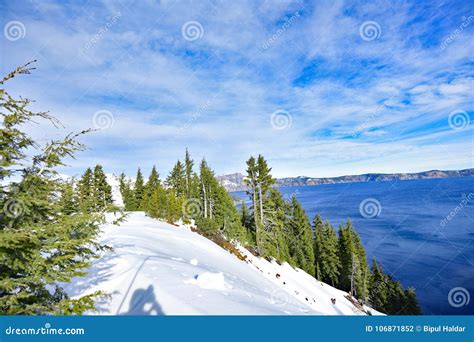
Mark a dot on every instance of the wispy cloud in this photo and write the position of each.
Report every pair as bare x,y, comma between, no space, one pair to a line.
357,103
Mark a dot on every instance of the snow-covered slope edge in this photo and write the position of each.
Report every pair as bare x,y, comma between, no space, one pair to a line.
158,268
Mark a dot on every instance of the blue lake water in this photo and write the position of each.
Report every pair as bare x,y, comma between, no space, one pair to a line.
412,236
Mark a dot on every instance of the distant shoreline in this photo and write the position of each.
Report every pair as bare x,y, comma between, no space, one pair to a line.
235,182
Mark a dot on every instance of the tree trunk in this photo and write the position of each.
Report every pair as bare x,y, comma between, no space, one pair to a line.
210,204
205,200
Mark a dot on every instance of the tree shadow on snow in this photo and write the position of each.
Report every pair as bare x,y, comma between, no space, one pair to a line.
144,302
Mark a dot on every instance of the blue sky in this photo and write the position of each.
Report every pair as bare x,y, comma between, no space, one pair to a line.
319,88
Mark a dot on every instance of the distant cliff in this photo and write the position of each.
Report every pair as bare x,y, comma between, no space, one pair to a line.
235,181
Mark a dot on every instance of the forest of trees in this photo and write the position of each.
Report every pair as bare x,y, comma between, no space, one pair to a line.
273,226
49,225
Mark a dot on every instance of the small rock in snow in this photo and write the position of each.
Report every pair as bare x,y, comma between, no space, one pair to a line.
209,280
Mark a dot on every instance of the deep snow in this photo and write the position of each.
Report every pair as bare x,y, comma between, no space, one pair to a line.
159,268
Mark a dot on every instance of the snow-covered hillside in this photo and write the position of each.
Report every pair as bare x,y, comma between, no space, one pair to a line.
158,268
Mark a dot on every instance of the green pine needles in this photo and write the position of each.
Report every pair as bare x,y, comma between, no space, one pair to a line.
41,243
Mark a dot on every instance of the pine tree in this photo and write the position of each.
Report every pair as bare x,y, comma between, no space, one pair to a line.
174,207
411,306
302,247
247,222
217,212
387,295
260,182
67,201
318,245
396,298
138,192
176,180
276,231
264,183
126,192
158,205
85,191
354,272
40,246
378,288
150,187
330,264
101,190
207,187
251,182
188,175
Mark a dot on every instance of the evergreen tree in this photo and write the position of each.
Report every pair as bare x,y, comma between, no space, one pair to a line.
188,174
264,183
101,189
226,216
40,246
138,192
85,192
260,182
396,298
387,295
218,212
207,186
158,205
126,192
354,273
328,261
176,180
302,247
252,183
378,288
411,306
247,222
276,232
67,201
174,207
318,244
150,187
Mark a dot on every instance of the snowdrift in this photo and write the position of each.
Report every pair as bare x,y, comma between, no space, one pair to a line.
160,269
